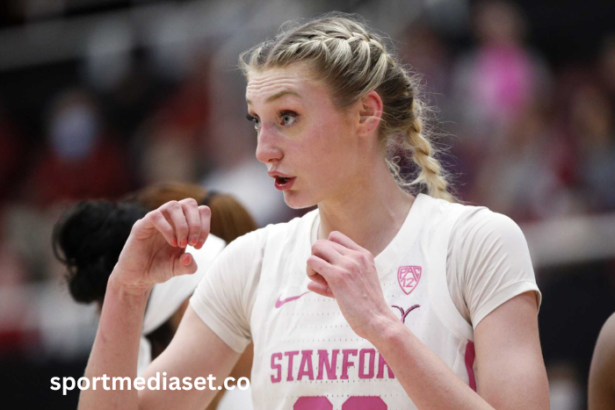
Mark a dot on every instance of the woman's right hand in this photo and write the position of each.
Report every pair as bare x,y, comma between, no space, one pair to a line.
156,248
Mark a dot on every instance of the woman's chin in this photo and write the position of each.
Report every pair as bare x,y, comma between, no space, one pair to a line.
295,200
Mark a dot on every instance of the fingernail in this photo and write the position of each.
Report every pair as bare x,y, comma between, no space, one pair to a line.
200,244
194,240
174,241
184,242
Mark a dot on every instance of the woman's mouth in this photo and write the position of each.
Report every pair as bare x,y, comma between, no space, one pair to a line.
284,183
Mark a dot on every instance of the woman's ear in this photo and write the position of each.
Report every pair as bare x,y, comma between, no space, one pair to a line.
370,113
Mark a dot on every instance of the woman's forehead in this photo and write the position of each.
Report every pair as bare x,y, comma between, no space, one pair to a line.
295,79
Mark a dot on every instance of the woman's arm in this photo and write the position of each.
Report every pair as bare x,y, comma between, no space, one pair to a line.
195,351
510,366
602,373
153,253
511,372
115,349
194,348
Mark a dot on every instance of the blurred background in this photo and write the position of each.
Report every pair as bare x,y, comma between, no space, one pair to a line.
100,97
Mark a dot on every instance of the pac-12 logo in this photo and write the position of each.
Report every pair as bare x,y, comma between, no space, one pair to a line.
409,277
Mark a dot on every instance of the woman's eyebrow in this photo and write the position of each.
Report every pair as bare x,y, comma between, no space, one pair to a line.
278,95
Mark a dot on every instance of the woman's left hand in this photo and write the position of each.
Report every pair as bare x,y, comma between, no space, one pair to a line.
341,269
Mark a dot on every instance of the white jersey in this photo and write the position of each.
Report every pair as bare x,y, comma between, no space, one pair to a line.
306,356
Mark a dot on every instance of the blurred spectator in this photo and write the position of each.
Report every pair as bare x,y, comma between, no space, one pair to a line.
172,143
81,159
494,83
428,56
593,129
166,155
524,176
494,87
187,110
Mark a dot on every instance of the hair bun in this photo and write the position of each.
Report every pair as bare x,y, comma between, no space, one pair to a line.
87,282
91,236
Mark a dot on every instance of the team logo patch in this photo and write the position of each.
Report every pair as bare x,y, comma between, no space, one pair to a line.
409,277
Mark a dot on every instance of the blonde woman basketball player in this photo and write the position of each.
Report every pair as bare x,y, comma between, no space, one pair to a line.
376,300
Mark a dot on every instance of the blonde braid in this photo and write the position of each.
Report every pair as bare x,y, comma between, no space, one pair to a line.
431,171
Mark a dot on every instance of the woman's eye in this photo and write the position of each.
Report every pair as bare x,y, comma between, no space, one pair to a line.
288,117
255,120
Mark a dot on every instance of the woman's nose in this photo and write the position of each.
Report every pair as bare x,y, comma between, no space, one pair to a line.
267,149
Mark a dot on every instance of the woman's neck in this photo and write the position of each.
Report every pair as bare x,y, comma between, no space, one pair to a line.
370,212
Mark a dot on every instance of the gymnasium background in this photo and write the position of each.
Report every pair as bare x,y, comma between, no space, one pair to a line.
99,97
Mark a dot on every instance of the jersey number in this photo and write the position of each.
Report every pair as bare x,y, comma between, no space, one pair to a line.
353,403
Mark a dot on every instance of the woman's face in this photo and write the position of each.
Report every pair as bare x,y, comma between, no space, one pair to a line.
308,144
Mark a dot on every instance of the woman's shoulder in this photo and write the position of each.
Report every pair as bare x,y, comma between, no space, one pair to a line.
488,262
472,221
481,223
482,239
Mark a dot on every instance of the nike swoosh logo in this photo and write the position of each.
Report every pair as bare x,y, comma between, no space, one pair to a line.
280,302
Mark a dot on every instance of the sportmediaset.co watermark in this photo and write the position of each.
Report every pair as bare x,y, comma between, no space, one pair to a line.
158,382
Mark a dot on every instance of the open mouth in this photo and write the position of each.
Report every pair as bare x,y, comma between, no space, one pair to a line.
281,180
283,183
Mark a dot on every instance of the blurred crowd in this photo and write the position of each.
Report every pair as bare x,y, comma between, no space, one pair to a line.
525,138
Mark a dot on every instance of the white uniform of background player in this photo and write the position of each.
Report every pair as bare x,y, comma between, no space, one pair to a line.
448,267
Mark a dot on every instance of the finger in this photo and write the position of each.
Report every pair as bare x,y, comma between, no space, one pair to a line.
191,211
315,276
341,249
205,218
173,212
163,226
338,237
322,290
320,266
326,250
184,265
